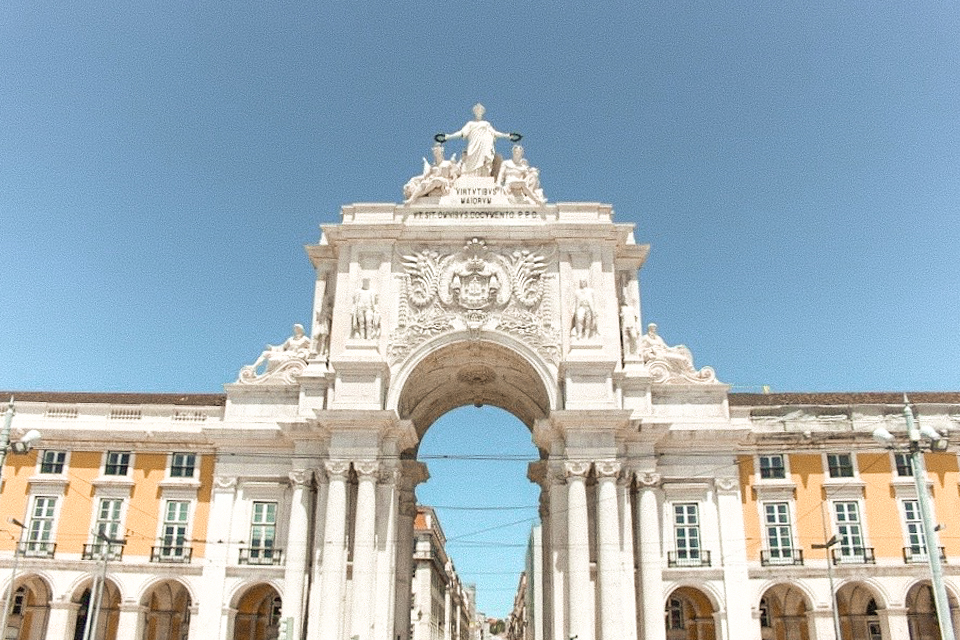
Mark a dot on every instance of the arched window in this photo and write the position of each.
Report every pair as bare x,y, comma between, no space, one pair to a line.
675,614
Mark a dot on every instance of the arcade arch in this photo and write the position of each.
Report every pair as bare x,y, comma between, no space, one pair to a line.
689,615
922,612
30,610
167,608
108,616
257,613
784,610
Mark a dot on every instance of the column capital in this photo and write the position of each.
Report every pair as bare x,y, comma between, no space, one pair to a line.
300,477
390,473
607,469
648,479
337,469
367,469
726,485
576,469
225,483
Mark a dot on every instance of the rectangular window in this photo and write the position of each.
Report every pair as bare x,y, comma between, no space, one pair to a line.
118,463
174,539
913,526
849,531
108,524
52,461
686,527
263,532
772,467
904,465
40,529
840,465
779,533
182,465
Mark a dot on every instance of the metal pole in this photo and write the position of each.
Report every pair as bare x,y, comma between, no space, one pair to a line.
5,436
826,548
8,604
929,530
91,606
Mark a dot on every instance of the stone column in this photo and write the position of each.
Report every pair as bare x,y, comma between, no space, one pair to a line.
319,519
608,550
578,552
333,576
820,623
412,473
557,562
295,567
385,586
58,622
628,590
894,623
733,553
128,623
217,554
364,547
651,557
539,570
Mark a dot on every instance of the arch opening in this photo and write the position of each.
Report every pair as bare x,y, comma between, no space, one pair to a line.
474,372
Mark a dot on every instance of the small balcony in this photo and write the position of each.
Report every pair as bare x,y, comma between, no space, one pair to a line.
37,549
688,558
97,551
173,554
781,557
854,555
918,555
261,555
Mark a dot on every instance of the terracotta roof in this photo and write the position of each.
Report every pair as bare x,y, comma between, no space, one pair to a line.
71,397
843,398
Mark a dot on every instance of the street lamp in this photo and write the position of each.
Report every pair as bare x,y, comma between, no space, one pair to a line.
99,581
936,443
22,445
8,603
826,547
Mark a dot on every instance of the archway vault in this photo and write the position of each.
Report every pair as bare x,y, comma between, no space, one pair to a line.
476,372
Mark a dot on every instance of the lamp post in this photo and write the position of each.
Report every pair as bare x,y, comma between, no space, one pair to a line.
22,445
99,581
919,468
826,547
8,603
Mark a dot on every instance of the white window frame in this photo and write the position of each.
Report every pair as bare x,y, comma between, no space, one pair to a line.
196,466
791,525
861,523
895,467
162,525
840,479
786,467
66,463
697,526
262,551
130,464
54,520
918,551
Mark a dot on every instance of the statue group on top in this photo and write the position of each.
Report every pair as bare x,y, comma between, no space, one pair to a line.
519,180
670,364
280,363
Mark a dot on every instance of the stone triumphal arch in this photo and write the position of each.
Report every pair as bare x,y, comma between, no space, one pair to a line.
478,290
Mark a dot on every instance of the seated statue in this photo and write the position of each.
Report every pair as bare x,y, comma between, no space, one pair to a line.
438,176
519,179
296,348
670,364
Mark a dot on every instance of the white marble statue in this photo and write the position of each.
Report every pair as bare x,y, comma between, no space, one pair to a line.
366,319
321,341
629,328
277,359
670,364
584,313
438,176
519,179
480,136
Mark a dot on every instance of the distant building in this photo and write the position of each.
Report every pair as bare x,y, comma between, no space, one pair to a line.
516,622
442,608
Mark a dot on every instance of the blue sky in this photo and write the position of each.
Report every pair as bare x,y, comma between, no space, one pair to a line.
795,167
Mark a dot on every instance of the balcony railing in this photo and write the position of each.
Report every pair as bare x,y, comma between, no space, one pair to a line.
96,551
688,558
37,549
176,554
261,555
918,555
781,557
854,555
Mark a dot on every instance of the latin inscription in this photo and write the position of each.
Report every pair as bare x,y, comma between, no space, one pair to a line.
474,215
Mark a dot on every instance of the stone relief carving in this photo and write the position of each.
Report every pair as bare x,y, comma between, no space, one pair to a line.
365,317
475,287
584,321
321,339
670,364
726,484
576,469
300,477
648,479
280,363
607,468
